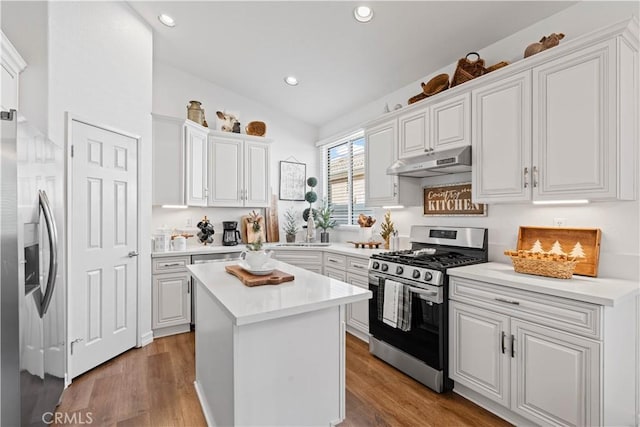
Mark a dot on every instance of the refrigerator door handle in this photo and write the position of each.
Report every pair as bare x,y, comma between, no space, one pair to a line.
53,251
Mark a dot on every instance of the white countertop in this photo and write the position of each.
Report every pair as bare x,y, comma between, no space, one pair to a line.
307,292
340,248
596,290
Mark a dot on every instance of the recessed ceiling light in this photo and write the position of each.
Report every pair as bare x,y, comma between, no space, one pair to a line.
291,81
363,13
167,20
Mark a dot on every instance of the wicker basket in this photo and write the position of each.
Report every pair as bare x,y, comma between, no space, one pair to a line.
496,66
436,85
543,264
468,70
256,128
416,98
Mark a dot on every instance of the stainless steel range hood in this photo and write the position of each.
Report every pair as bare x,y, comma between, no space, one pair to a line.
455,160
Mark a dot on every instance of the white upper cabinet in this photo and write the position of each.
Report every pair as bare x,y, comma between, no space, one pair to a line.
239,173
564,128
196,141
575,125
380,152
414,133
451,122
195,166
438,126
501,149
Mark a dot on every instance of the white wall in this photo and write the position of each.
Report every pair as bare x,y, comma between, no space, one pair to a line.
100,68
32,44
172,91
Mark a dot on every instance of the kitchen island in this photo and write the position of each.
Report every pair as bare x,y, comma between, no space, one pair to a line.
273,354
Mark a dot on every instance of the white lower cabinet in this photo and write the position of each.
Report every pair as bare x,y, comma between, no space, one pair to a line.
171,296
352,270
537,358
309,260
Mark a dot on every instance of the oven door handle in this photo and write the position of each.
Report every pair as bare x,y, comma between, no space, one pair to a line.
423,292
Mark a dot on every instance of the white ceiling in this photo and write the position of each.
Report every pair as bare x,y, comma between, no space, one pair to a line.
249,47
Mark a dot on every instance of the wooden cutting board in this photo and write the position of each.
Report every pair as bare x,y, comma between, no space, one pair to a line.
273,228
275,278
246,230
570,240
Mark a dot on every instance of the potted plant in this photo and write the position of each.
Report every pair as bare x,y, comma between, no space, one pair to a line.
325,222
309,214
255,256
290,225
387,228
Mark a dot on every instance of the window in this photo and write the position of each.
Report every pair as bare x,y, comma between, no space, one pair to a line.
345,179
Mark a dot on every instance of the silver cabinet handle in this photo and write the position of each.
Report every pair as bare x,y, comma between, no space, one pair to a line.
358,266
395,189
332,260
507,301
53,251
513,346
131,254
503,336
535,176
526,177
173,264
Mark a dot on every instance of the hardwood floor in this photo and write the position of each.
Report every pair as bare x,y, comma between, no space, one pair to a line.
153,386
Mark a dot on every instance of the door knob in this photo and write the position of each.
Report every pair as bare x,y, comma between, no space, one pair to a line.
132,254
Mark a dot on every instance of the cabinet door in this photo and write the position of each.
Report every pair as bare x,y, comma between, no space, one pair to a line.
574,125
226,172
358,312
451,123
380,152
257,185
196,166
555,376
335,273
414,133
501,140
478,350
171,300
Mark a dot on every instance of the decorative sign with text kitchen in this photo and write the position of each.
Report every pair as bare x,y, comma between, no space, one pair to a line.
451,200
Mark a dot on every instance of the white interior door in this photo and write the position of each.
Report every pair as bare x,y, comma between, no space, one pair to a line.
103,244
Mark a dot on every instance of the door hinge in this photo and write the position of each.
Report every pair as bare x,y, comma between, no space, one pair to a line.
72,151
7,115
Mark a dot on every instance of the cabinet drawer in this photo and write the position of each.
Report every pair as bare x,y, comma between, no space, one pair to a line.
560,313
171,264
335,260
358,266
299,257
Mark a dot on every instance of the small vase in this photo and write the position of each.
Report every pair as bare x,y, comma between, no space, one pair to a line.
291,238
195,112
324,237
386,243
366,234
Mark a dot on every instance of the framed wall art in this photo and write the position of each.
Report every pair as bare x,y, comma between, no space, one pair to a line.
293,177
452,200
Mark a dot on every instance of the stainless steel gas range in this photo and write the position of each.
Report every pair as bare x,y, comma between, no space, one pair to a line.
412,285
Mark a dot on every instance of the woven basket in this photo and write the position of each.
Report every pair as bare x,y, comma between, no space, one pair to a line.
418,97
436,85
468,70
496,66
549,265
256,128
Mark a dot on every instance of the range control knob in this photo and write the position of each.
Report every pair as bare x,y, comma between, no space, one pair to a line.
385,267
399,270
427,276
416,274
375,265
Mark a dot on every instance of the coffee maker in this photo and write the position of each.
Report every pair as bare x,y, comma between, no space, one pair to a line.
230,234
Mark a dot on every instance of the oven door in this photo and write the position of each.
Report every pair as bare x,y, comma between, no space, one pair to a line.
425,339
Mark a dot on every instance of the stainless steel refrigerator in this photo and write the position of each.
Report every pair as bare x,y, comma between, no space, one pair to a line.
32,297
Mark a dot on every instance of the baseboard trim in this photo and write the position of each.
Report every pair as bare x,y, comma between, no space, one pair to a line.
204,405
146,339
491,406
358,334
171,330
